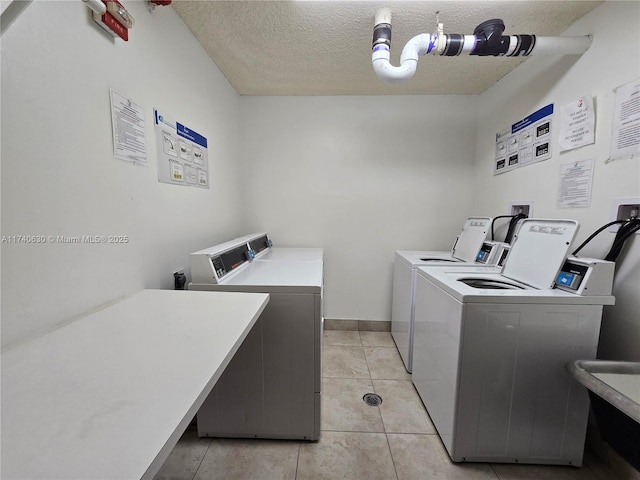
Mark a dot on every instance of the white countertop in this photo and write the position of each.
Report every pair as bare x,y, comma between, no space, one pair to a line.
107,396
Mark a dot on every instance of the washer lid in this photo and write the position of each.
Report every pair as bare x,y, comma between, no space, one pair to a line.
539,250
474,232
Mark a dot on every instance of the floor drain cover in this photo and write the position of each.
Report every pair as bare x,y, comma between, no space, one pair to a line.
372,399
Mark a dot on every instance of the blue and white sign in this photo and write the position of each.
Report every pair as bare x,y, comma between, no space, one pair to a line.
527,141
182,153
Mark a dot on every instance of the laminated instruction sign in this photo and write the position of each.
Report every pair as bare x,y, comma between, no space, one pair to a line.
182,153
528,141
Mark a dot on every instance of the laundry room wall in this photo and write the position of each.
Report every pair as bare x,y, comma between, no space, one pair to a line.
59,175
360,177
612,60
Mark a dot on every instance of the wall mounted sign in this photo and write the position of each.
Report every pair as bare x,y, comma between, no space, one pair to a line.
625,141
575,184
182,153
127,122
527,141
577,124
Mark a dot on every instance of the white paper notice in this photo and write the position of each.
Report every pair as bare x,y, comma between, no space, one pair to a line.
625,139
127,120
577,124
576,179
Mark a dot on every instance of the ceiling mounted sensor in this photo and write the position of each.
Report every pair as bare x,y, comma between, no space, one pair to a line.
487,40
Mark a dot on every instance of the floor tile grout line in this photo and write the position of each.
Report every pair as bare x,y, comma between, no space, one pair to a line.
384,428
353,431
367,362
373,382
374,389
372,378
298,460
595,474
202,459
413,434
347,378
393,462
494,471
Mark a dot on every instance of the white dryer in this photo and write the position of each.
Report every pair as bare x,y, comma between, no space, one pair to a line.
292,254
272,386
490,350
464,252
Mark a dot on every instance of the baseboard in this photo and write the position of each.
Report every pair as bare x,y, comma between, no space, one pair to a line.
357,325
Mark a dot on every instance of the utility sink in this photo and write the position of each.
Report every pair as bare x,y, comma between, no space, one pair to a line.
614,388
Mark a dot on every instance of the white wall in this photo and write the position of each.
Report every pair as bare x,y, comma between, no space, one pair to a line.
360,177
613,60
59,176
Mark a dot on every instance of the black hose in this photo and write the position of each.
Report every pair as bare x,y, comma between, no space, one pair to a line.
493,235
627,228
512,227
591,237
624,232
520,215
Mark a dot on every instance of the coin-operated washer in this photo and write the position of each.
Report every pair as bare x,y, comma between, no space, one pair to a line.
272,386
490,349
464,251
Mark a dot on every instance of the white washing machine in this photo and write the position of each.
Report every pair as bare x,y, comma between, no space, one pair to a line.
465,249
464,252
490,350
272,386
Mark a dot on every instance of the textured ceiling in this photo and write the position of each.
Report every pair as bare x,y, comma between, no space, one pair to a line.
324,47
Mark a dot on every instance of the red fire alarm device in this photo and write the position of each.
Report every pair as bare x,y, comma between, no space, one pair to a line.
116,19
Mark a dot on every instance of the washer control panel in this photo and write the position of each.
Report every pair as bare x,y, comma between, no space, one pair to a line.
489,253
586,276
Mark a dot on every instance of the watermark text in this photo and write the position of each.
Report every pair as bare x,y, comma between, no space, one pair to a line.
64,239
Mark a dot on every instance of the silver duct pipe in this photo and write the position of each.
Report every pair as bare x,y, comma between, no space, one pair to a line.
487,40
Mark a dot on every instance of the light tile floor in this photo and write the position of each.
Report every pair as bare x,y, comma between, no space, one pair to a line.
395,441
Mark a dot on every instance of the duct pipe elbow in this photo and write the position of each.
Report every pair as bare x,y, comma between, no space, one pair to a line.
390,73
418,45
